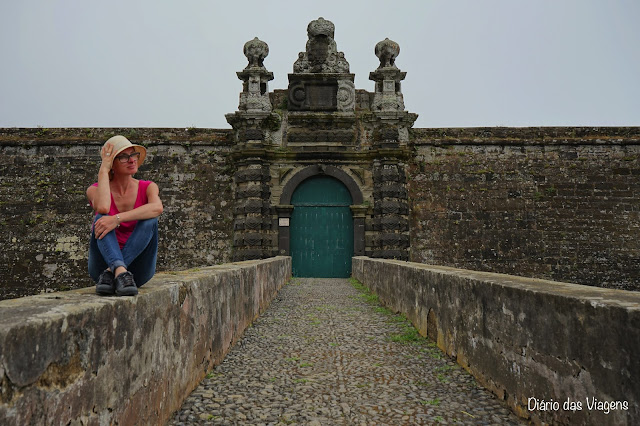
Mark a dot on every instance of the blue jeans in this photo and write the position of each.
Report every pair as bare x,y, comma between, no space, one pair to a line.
138,255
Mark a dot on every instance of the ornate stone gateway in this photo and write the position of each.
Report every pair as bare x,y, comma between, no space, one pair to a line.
321,126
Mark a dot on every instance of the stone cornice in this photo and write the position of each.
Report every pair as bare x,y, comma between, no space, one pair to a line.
526,136
418,136
279,154
99,135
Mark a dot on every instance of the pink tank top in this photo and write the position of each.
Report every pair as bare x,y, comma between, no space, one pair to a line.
126,228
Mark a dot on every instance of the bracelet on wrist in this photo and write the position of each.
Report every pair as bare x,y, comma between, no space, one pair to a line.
118,219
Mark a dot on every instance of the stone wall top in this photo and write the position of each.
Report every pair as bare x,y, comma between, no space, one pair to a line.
445,135
99,135
526,135
594,296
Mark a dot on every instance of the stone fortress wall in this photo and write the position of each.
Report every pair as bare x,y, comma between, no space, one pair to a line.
553,203
45,216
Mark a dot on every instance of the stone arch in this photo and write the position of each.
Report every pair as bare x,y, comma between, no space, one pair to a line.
321,169
285,208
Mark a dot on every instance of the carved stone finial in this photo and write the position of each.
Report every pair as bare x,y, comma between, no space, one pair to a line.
255,91
321,80
388,95
387,51
321,54
320,27
256,50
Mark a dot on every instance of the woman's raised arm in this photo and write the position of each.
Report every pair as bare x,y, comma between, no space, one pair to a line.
100,196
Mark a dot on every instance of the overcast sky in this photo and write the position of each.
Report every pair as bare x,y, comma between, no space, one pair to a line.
161,63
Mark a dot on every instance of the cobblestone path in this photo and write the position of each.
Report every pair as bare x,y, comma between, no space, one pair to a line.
326,354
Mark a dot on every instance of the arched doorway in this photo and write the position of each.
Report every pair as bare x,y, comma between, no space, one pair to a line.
321,233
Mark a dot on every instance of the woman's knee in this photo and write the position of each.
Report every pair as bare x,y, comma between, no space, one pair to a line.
95,219
149,225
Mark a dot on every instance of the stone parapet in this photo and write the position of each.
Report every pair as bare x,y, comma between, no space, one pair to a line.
529,341
77,358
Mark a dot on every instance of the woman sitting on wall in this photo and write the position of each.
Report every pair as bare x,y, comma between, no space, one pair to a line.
124,237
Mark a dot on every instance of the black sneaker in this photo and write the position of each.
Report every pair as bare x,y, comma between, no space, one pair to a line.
106,285
125,285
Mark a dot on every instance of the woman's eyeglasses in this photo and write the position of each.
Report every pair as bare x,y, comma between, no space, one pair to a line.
124,158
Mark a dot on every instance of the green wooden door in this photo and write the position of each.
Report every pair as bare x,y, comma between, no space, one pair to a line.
321,233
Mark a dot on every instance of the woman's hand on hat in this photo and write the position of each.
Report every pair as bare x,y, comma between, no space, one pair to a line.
107,155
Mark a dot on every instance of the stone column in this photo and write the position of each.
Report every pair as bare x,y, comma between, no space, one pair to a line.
253,126
390,221
284,222
390,210
252,238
